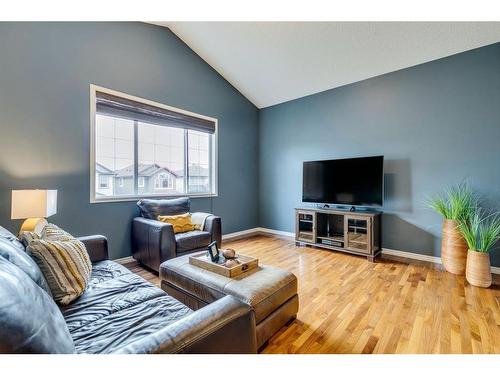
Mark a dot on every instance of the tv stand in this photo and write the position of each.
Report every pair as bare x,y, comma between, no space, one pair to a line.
355,232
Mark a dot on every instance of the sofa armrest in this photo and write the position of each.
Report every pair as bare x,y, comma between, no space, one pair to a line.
97,247
224,326
213,224
153,242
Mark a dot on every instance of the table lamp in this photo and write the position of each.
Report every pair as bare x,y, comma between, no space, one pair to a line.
34,206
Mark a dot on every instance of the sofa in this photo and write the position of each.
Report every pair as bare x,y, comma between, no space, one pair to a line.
154,242
119,312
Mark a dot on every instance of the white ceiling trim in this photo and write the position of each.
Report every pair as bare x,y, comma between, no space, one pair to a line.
274,62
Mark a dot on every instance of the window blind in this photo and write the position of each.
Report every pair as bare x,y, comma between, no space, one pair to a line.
112,105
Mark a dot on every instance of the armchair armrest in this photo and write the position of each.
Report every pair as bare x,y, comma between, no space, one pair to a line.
213,224
224,326
97,247
153,242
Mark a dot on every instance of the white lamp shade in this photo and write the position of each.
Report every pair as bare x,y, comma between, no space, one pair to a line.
33,203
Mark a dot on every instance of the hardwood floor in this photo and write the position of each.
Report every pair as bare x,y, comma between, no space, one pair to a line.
349,305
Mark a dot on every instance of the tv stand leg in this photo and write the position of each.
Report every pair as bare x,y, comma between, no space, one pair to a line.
373,258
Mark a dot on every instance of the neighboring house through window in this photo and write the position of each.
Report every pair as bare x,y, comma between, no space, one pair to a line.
163,181
142,148
103,181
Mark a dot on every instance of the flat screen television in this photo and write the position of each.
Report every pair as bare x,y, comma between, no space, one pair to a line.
353,182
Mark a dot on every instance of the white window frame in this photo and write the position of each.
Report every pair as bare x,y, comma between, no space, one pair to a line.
120,182
122,198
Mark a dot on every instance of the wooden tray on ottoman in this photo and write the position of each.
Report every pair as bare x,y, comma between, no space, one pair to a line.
246,264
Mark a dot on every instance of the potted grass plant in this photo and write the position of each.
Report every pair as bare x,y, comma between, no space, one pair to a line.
456,205
481,233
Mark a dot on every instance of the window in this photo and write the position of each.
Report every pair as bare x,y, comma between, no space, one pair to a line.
164,181
199,162
149,149
141,182
103,181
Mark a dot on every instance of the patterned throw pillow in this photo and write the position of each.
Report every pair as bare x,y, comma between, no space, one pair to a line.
53,233
181,223
27,237
65,264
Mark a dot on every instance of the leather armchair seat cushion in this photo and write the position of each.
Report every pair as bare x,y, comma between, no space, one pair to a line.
265,289
30,320
189,241
152,208
117,309
12,250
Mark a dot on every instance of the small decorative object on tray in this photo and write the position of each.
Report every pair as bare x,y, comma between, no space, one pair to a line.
230,263
229,253
226,263
213,252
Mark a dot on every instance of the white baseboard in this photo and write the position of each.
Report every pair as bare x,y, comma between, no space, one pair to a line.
124,259
399,253
406,254
240,234
255,231
425,258
495,270
275,232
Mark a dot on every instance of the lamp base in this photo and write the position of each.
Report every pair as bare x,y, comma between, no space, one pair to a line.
33,224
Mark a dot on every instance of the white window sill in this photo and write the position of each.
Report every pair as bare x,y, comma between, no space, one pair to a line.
152,196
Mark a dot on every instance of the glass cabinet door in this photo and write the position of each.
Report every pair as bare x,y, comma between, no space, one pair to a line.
305,226
357,234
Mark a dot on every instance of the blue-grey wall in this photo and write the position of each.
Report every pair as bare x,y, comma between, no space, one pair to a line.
45,73
437,124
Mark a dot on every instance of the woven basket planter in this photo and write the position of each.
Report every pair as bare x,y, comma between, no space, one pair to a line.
453,248
478,269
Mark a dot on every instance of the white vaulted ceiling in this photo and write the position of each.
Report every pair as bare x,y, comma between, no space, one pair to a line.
273,62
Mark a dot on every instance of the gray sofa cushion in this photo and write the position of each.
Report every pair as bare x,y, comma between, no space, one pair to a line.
117,309
13,251
190,241
30,320
151,208
14,241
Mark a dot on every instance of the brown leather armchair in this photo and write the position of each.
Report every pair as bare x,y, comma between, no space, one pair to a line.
154,242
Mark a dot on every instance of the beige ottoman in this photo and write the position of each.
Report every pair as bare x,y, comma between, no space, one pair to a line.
271,292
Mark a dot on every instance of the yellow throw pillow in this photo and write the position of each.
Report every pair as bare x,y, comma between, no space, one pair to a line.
181,223
65,264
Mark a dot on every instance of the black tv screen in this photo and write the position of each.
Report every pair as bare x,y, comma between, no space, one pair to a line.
355,182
